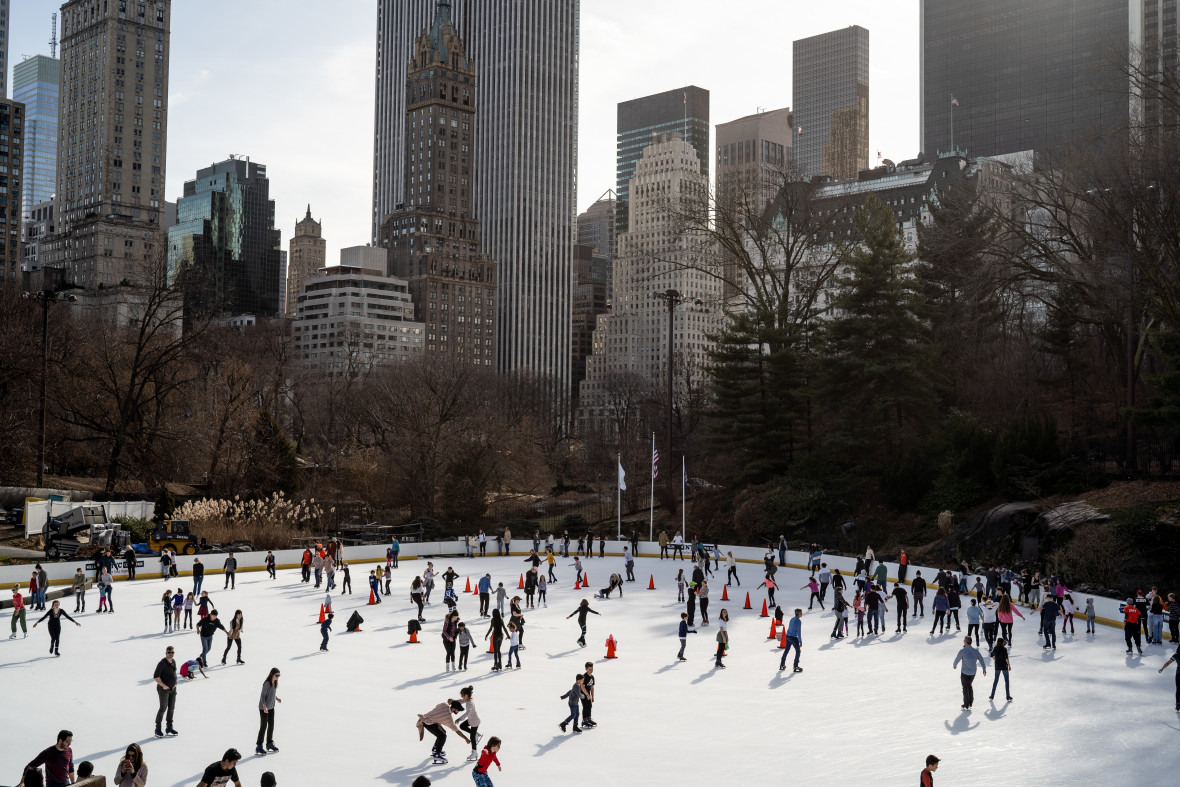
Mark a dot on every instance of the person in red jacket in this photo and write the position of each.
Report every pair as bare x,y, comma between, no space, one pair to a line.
305,566
1131,617
486,758
927,774
18,612
903,565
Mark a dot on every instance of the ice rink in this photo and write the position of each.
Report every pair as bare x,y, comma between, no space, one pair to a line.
870,708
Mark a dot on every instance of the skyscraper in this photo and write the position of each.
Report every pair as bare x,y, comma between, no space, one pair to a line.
830,90
112,137
5,30
1025,76
12,134
35,82
631,341
596,226
683,111
433,240
225,241
307,249
525,156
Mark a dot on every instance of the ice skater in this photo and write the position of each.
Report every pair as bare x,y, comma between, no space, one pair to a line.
374,586
469,721
1004,613
496,631
771,585
683,633
325,627
486,758
266,713
1091,617
918,591
233,636
465,641
703,601
1002,665
574,698
583,610
484,586
840,608
974,618
680,582
416,592
794,640
434,721
501,597
731,570
55,614
166,599
969,657
513,645
1131,616
858,606
542,589
79,592
940,605
450,636
903,607
577,564
588,699
1175,659
813,586
722,637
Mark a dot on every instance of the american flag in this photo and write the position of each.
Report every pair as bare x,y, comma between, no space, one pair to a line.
954,101
655,460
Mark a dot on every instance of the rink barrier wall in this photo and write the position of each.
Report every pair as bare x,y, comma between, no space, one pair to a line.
1107,610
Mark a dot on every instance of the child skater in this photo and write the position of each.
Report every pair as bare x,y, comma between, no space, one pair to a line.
188,611
574,697
469,722
542,586
177,605
486,758
680,585
858,605
167,601
813,586
1090,616
465,641
513,645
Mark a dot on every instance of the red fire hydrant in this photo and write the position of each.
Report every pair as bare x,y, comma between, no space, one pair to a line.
610,647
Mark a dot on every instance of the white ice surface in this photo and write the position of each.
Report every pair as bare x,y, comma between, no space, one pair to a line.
875,707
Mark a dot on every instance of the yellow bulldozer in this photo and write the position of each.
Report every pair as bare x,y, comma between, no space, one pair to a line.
174,535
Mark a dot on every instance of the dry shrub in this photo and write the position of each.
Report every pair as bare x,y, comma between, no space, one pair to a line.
1096,553
269,523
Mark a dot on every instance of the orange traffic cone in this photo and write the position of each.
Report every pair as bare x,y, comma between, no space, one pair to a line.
782,643
414,636
468,588
610,647
747,602
521,585
585,579
323,617
764,612
372,598
651,583
773,627
577,584
490,648
724,593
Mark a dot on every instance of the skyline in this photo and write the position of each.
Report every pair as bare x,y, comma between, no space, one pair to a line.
218,67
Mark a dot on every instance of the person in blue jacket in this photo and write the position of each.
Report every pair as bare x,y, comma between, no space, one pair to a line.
794,640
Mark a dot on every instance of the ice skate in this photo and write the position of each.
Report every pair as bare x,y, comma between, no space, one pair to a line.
272,748
261,752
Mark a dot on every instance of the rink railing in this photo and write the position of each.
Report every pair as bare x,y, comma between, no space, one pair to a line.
148,567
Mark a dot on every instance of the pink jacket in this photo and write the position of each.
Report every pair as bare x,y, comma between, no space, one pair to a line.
1007,618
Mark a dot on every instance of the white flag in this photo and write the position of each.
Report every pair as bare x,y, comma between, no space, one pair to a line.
622,477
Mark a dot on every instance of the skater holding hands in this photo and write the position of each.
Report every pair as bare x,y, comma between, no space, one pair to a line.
433,721
574,696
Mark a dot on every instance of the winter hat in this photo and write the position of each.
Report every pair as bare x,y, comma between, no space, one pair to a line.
1130,601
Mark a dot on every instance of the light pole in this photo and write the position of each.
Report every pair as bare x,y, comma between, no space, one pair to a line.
44,297
672,298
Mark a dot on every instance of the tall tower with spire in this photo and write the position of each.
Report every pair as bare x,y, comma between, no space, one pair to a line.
433,239
307,250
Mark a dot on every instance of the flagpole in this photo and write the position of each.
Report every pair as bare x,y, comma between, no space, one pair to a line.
619,500
952,124
651,521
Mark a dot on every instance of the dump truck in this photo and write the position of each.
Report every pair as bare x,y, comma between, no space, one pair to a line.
85,529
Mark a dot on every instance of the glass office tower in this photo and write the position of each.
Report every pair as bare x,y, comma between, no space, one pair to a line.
35,83
830,89
1026,75
225,242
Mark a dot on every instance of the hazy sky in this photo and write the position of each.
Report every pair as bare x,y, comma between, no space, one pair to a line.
290,84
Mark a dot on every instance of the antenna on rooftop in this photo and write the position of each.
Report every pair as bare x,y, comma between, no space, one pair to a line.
53,39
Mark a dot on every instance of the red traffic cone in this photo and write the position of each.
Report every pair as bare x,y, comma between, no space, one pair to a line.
585,579
610,647
724,593
782,643
468,588
372,598
577,584
651,583
764,612
490,648
323,617
747,602
414,636
773,627
521,585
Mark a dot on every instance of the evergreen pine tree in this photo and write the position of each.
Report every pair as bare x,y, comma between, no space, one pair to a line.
876,376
